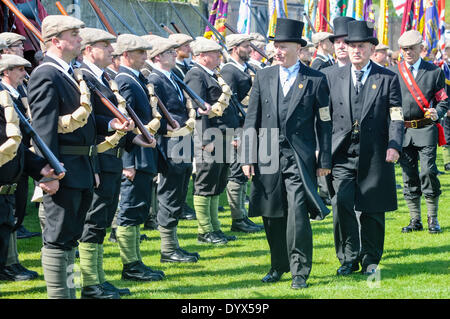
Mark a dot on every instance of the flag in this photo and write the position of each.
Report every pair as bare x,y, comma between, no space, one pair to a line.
441,11
217,17
399,6
277,9
310,7
431,25
244,21
335,11
383,23
419,17
368,14
342,4
359,10
408,16
350,10
322,11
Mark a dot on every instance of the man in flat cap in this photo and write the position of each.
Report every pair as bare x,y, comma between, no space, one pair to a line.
15,157
62,116
367,139
183,51
210,138
255,57
140,164
305,55
238,74
97,55
325,50
424,102
14,43
113,68
288,108
380,56
173,133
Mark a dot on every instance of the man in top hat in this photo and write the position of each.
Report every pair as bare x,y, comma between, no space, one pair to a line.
325,50
15,157
424,102
140,164
238,74
183,51
380,56
367,139
62,115
210,138
288,108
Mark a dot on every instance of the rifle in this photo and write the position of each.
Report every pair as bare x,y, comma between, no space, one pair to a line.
106,3
150,17
328,22
217,34
254,47
181,19
194,96
102,17
166,28
61,8
37,140
22,18
139,124
138,18
175,27
309,22
166,113
234,100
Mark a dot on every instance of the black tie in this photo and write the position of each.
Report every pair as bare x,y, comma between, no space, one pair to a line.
70,71
105,78
411,68
358,86
180,94
143,78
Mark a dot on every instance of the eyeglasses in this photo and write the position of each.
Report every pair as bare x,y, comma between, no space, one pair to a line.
172,51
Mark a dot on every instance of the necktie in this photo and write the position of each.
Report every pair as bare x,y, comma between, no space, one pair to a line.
143,79
70,71
105,78
287,82
358,85
174,82
411,68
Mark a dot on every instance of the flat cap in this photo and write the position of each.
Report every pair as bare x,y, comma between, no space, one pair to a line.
233,40
10,38
257,37
409,39
320,36
160,46
53,25
114,53
309,44
92,35
201,45
130,42
9,61
381,46
151,37
3,45
270,50
181,38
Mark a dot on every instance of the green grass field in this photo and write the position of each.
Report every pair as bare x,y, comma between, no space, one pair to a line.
413,266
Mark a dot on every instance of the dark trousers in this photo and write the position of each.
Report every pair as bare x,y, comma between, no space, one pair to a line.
135,199
210,178
6,225
291,236
65,213
21,195
103,207
172,192
426,182
354,242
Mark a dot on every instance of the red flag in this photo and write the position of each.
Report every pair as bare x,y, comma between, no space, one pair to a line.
408,16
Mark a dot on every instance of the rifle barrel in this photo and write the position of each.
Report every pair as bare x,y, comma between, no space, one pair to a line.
181,19
22,18
61,8
102,17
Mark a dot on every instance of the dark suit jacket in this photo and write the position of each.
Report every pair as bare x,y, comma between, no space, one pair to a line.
303,122
318,63
135,92
430,79
239,82
180,70
376,178
51,94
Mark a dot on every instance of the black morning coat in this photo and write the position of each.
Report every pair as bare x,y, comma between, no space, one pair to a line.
303,122
376,191
430,79
107,162
134,91
239,81
52,94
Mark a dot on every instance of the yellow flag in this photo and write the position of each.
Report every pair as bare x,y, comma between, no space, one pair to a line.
382,30
277,9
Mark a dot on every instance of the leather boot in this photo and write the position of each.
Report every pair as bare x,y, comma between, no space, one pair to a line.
433,225
98,292
414,225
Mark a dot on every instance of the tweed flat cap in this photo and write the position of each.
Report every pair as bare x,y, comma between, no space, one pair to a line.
409,39
10,38
270,50
160,46
114,53
53,25
257,37
181,38
3,45
320,36
9,61
381,46
151,37
92,35
234,40
201,45
130,42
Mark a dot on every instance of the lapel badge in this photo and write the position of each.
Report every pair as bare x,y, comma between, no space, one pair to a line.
374,86
300,86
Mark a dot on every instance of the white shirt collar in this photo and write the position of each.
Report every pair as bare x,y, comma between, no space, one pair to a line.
241,67
415,65
11,90
66,66
166,73
210,72
94,68
135,72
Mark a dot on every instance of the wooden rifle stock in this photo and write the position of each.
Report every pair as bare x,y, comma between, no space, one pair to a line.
254,47
166,113
175,27
102,17
61,8
24,19
43,148
139,124
166,28
114,110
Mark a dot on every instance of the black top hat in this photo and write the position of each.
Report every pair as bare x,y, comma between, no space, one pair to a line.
289,30
360,31
340,27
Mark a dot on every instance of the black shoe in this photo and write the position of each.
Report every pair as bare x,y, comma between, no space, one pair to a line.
433,225
414,225
447,167
221,209
223,235
98,292
211,238
159,272
239,225
11,273
272,276
177,256
144,237
135,271
23,233
112,237
195,254
121,291
298,283
251,223
188,213
22,269
346,269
